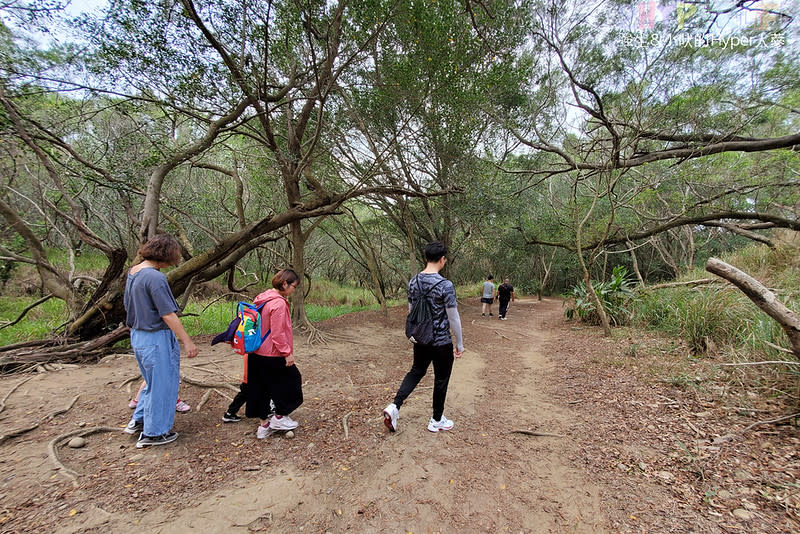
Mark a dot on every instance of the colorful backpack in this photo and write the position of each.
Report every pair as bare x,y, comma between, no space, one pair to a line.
245,328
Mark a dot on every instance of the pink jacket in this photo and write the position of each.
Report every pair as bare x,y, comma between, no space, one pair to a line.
275,316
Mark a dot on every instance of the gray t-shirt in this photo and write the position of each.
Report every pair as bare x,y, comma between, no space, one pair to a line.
488,290
147,299
441,297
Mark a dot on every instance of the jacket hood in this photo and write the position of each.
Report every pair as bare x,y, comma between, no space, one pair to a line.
266,296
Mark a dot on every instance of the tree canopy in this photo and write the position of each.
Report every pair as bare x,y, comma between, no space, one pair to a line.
339,137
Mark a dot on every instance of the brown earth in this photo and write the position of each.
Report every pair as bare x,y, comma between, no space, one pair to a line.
623,449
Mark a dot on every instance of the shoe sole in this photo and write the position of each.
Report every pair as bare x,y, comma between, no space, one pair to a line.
144,445
439,429
133,431
230,420
387,420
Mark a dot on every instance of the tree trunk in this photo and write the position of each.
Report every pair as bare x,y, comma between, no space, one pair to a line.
299,317
761,297
635,263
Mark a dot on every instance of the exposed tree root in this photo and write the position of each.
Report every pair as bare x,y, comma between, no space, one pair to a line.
57,441
202,384
64,350
12,390
59,412
315,335
18,432
348,339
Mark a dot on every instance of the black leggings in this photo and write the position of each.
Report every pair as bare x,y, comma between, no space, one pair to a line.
268,377
503,308
442,359
239,399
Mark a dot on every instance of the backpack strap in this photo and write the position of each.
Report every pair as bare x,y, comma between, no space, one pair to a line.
430,289
258,310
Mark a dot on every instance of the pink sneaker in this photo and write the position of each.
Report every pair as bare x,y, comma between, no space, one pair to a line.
182,406
132,404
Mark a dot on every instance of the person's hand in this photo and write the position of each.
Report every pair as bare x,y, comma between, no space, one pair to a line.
458,353
290,360
191,349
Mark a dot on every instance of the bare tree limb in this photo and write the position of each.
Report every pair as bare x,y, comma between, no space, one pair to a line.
761,297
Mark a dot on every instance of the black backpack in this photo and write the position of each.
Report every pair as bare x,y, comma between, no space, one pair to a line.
419,323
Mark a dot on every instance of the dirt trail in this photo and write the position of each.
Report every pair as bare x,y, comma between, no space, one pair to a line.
479,477
532,372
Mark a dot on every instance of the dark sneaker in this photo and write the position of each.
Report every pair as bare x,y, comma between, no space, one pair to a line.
133,427
231,418
147,441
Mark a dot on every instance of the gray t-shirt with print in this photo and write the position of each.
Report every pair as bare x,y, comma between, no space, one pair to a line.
441,297
488,290
148,297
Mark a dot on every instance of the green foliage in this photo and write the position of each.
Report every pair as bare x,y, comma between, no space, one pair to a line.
615,296
39,323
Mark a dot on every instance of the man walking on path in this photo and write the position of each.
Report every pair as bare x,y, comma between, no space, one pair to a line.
505,293
441,295
487,296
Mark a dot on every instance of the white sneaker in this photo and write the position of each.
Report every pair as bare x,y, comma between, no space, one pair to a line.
263,431
284,423
390,415
134,427
443,424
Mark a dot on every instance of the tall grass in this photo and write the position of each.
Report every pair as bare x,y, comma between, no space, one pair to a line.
39,323
722,314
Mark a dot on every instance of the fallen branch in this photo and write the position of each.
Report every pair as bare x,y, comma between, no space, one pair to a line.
26,310
772,362
223,395
688,283
12,390
55,442
534,433
344,424
204,398
201,384
778,347
771,421
761,297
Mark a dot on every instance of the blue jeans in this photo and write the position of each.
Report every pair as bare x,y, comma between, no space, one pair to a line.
159,357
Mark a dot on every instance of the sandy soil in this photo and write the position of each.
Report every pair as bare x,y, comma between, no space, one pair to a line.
616,451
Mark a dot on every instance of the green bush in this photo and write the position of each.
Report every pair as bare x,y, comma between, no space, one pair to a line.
615,296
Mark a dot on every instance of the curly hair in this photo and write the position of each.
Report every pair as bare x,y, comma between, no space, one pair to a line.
286,276
161,248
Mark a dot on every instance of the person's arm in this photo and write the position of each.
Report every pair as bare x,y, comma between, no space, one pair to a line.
513,296
455,326
174,324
